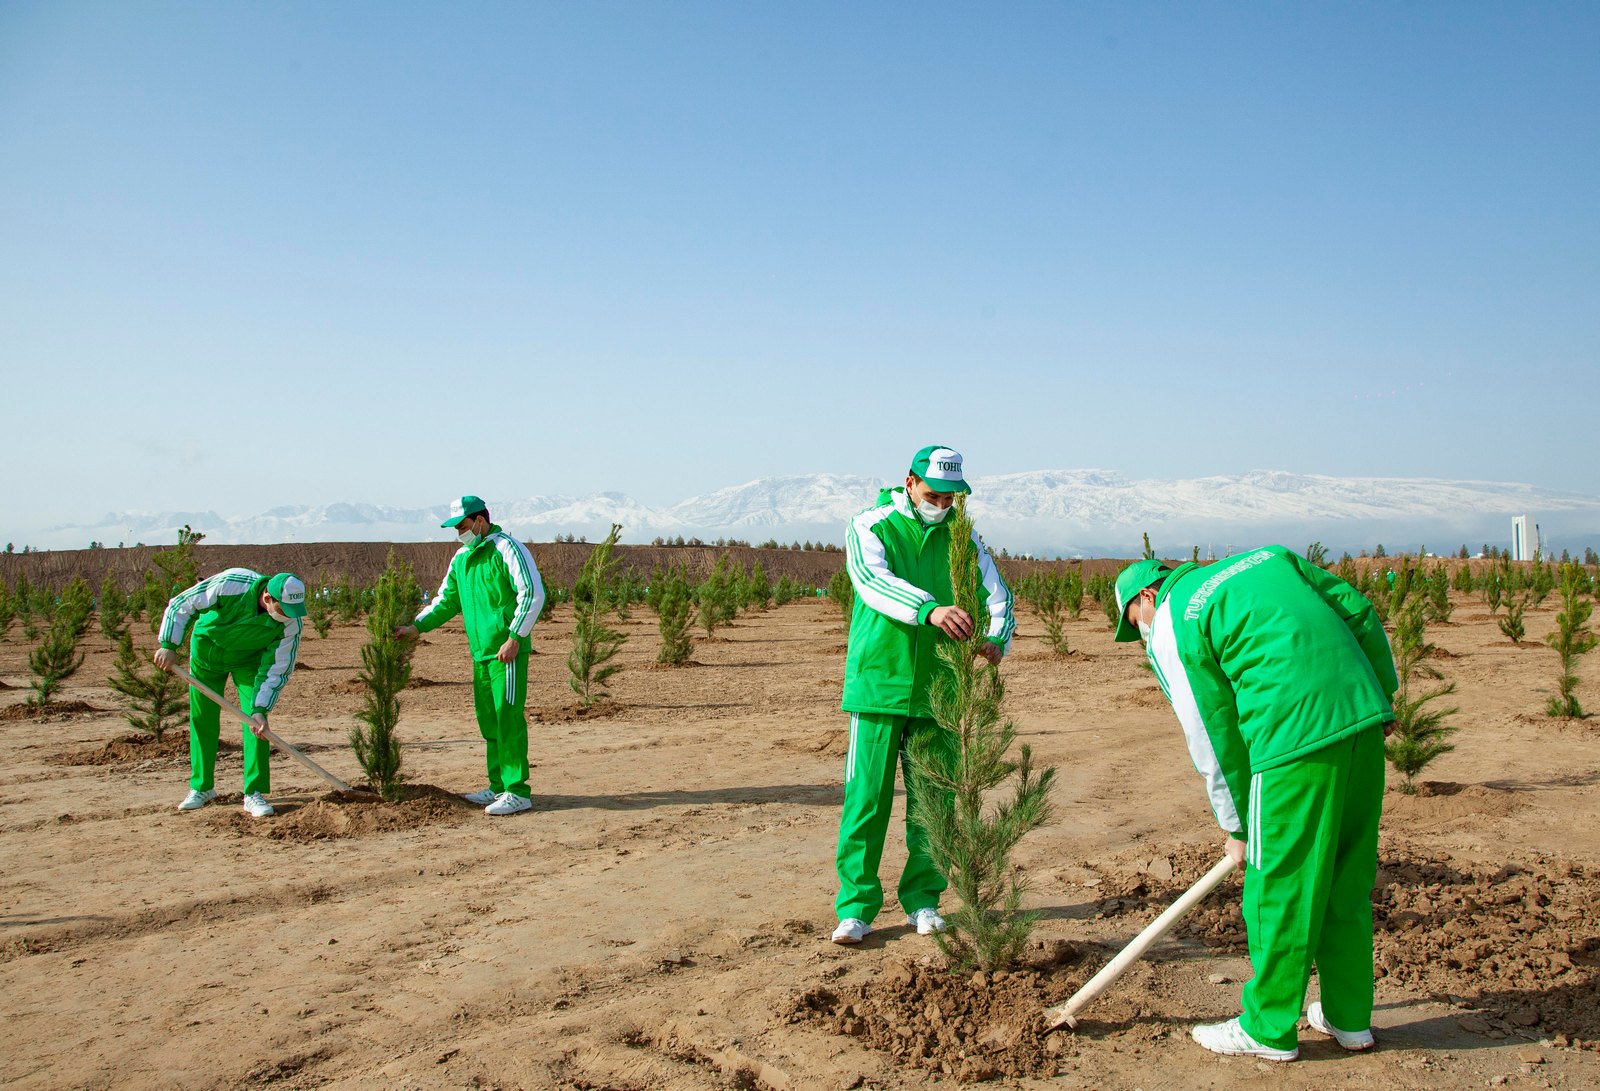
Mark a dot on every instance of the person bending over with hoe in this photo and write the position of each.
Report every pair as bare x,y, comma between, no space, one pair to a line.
1283,680
897,553
494,585
247,626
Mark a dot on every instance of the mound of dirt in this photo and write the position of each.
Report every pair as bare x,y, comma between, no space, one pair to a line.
1149,697
561,714
352,814
1521,942
132,749
55,711
973,1028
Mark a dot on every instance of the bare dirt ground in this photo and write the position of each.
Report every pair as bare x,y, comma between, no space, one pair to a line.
660,919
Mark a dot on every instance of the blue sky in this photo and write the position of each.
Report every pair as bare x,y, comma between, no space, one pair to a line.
271,254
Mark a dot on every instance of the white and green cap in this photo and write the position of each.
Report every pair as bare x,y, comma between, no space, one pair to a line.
940,469
464,507
290,592
1130,581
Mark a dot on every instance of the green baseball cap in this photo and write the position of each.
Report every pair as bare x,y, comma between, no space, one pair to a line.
940,469
464,507
290,592
1130,581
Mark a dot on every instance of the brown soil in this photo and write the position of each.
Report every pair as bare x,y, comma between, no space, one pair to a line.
972,1027
349,814
131,749
53,712
660,919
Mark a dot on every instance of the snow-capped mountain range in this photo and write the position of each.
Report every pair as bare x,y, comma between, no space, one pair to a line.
1046,512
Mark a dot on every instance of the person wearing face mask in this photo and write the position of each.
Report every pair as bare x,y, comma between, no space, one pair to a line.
494,585
897,553
247,626
1283,680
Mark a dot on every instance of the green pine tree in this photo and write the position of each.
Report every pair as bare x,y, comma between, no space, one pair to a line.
785,592
1512,624
112,607
673,617
1049,604
1420,727
1572,640
758,589
957,789
385,672
594,643
157,701
56,658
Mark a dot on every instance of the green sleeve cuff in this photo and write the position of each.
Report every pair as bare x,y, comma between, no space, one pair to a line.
169,645
1237,835
925,609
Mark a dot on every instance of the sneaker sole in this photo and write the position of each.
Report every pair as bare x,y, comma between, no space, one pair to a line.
848,941
1323,1027
1280,1056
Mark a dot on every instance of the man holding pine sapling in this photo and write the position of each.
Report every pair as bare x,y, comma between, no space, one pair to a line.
897,554
1282,678
248,626
494,585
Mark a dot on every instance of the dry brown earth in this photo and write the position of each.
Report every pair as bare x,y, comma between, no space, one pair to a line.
659,920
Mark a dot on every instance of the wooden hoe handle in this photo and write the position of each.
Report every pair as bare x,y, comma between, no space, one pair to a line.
1068,1013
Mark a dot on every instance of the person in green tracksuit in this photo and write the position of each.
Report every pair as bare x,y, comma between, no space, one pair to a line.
247,626
897,553
494,585
1283,680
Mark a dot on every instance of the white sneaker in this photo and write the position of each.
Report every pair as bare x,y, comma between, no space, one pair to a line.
1353,1040
256,806
509,803
850,930
481,796
926,921
1232,1040
195,800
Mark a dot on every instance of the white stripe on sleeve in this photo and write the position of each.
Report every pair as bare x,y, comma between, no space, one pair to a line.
1164,657
202,596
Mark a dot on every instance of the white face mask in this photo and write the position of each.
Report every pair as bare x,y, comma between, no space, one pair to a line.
931,512
1144,633
468,538
275,615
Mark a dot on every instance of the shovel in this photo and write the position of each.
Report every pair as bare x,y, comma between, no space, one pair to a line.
267,732
1068,1013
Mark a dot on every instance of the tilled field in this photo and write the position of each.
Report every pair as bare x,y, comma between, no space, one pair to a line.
660,919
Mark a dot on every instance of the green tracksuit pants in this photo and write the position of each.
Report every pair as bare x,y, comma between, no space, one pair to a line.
876,742
205,726
500,699
1311,859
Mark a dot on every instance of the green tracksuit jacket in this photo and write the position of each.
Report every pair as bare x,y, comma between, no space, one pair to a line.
232,632
1266,658
900,567
495,587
